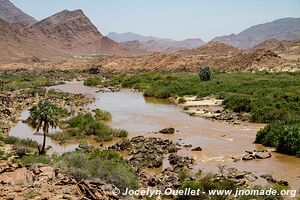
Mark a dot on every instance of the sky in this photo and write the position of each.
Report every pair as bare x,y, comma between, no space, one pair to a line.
175,19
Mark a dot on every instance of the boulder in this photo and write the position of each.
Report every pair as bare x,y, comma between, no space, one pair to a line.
167,131
248,157
262,155
197,149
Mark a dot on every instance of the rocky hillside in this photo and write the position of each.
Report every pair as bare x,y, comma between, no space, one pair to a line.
45,182
212,48
73,32
10,13
150,43
15,46
64,34
281,29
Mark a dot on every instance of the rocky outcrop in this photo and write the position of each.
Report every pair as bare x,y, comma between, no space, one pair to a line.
146,152
270,179
251,155
167,131
180,162
41,181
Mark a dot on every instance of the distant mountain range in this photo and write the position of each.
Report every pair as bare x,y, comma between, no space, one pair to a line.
69,33
151,43
281,29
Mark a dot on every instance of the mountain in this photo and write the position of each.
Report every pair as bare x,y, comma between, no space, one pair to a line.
72,31
150,43
281,29
14,45
10,13
212,48
61,35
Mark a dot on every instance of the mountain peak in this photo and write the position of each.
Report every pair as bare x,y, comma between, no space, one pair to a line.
64,17
10,13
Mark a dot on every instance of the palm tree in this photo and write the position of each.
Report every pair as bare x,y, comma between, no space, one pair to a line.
44,115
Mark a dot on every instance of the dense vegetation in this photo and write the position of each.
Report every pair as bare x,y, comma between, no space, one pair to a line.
207,182
93,81
268,97
89,125
21,147
11,83
284,136
105,165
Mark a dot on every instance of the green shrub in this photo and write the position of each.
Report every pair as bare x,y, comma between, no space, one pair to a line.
20,150
238,103
102,115
15,140
87,125
206,183
205,74
104,165
35,159
93,81
284,136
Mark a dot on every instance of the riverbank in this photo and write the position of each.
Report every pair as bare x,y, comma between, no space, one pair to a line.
220,143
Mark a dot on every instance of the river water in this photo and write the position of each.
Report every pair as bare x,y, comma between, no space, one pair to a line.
139,115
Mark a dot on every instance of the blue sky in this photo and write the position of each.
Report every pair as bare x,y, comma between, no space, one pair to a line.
176,19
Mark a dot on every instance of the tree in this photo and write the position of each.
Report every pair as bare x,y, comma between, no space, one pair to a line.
205,74
44,115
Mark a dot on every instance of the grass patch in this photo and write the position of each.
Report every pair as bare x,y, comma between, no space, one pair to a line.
269,97
31,194
105,165
15,82
18,141
284,136
87,125
206,183
35,159
102,115
93,81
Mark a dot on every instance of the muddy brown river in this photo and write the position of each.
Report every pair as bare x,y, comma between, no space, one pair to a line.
220,141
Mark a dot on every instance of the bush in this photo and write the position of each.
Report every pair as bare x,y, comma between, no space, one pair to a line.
20,150
102,115
93,81
87,125
205,74
35,159
238,103
207,183
15,140
105,165
284,136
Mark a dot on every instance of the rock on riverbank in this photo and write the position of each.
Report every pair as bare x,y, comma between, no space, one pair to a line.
41,181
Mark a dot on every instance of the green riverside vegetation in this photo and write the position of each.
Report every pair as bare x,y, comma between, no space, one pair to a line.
87,125
268,97
93,81
284,136
105,165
